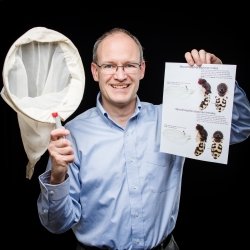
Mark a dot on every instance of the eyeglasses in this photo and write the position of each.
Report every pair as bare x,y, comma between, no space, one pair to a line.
110,69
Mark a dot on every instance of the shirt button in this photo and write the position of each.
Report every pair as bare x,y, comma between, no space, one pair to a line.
137,241
45,211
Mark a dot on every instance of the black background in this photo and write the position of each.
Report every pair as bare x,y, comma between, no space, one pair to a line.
213,209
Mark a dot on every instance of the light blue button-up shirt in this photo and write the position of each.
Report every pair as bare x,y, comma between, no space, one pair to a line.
122,192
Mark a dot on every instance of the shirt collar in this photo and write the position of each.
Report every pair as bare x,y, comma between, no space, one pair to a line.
104,112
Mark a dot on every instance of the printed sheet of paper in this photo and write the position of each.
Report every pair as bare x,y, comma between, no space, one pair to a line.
197,111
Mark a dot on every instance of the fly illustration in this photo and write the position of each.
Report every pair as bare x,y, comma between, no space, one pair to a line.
201,139
206,89
221,99
216,148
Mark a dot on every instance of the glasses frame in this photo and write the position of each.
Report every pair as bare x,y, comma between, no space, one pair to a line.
118,66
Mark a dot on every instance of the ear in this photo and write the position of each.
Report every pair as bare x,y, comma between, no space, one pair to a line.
94,71
143,67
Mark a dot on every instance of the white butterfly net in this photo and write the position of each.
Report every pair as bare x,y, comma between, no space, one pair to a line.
42,73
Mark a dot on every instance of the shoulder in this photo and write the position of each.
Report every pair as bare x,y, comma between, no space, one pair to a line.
147,107
85,117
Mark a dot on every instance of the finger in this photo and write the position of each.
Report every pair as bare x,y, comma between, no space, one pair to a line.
62,157
202,57
62,150
69,158
192,57
189,58
68,150
63,160
211,58
58,133
60,147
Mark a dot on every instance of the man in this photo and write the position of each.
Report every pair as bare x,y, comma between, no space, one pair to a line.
106,177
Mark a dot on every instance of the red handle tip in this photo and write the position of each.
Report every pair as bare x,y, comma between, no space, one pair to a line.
54,114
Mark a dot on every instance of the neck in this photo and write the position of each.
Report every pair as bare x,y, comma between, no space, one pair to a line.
120,113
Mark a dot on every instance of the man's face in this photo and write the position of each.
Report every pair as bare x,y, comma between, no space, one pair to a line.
119,88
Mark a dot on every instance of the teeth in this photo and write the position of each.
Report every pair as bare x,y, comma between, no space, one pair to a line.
120,86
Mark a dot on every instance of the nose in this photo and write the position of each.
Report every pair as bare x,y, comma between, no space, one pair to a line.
120,74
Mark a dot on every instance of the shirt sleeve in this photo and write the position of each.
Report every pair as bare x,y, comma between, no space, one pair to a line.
240,128
56,208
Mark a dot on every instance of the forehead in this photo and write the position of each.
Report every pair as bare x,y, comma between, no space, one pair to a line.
118,47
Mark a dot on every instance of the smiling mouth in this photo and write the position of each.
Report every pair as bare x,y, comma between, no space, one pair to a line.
119,86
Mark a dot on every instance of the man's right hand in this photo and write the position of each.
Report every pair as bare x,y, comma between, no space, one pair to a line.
61,153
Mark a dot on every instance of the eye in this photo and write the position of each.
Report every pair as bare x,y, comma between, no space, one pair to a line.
130,66
108,66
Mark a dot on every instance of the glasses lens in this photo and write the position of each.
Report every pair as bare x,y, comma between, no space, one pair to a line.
129,68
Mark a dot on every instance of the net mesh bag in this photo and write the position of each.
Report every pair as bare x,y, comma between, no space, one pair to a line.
42,73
